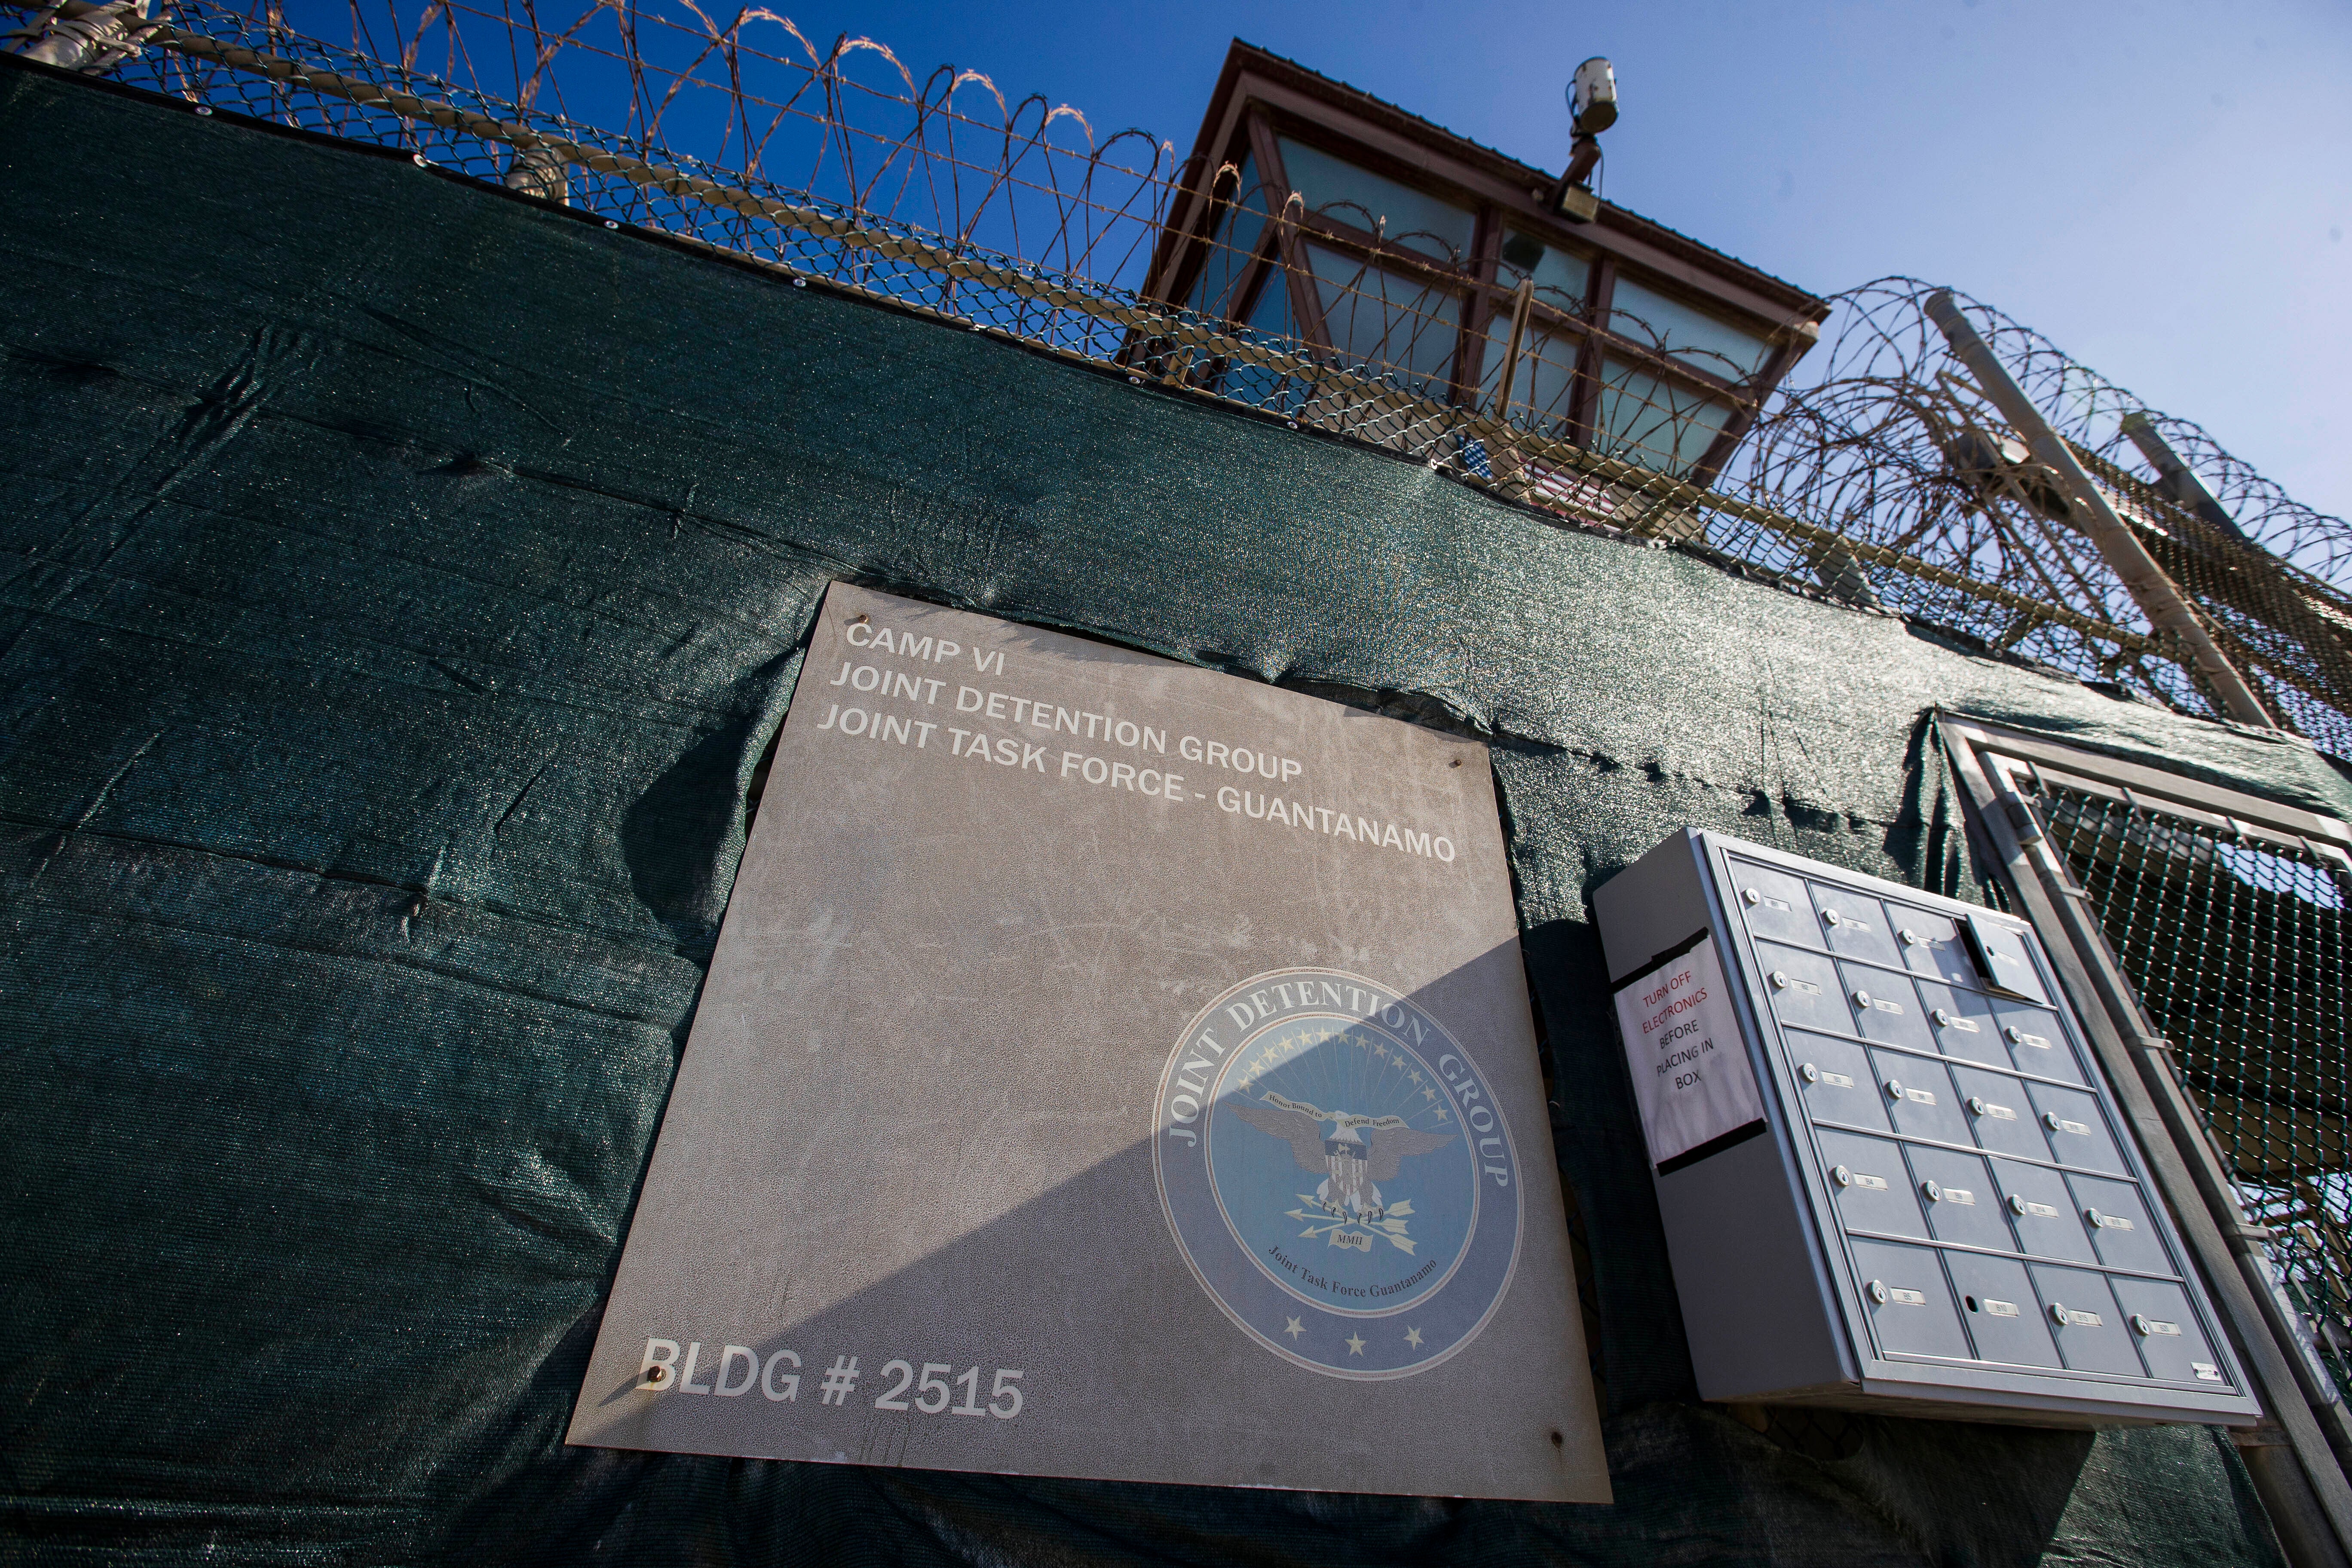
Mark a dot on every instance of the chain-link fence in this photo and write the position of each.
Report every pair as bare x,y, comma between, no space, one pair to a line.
2234,939
1886,433
1877,475
2286,629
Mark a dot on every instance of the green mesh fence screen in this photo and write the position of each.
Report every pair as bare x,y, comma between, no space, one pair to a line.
2236,944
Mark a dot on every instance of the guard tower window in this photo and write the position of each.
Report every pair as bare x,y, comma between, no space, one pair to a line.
1545,383
1654,421
1405,326
1563,279
1401,216
1241,224
1270,317
1689,334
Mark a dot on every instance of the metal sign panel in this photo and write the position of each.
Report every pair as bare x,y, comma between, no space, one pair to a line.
1111,1069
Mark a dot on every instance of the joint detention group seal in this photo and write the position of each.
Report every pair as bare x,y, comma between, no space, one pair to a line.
1337,1173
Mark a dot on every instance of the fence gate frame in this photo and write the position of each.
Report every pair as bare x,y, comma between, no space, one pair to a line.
2299,1454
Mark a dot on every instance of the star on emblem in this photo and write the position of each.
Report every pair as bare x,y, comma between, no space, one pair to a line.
1440,1114
1355,1345
1381,1052
1412,1336
1416,1078
1294,1331
1429,1094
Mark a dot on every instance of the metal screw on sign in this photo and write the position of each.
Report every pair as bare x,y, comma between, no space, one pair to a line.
418,159
800,282
206,109
657,1374
610,223
1291,424
1134,380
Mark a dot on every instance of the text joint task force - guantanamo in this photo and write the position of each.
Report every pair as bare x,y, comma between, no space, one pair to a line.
1026,713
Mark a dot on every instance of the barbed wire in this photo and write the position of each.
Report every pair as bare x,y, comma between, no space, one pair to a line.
1878,476
1880,335
1885,433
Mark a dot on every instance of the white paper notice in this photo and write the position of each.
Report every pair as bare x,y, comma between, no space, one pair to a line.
1690,1067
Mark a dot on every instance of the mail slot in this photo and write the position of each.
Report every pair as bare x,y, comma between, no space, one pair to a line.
1909,1304
2008,965
2075,1127
1870,1184
1776,907
2164,1329
1931,945
2035,1041
2041,1212
2090,1333
1836,1081
2000,1112
1803,989
1963,1024
1915,1193
2003,1315
1956,1195
1885,1007
1854,926
2118,1225
1920,1096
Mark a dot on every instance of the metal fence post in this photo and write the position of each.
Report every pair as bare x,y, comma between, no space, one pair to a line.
2180,481
2159,597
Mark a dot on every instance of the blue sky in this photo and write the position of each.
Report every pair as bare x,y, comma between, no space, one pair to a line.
2163,190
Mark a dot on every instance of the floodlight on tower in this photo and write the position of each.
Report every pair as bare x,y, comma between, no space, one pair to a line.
1593,102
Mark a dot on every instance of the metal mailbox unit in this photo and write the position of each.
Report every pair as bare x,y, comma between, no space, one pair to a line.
1890,1173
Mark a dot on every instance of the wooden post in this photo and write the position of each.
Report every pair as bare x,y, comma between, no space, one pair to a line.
2158,596
1521,298
1502,459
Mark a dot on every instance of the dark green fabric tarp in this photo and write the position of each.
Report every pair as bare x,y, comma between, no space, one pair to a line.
402,582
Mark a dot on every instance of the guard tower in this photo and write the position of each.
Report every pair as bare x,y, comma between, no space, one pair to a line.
1447,274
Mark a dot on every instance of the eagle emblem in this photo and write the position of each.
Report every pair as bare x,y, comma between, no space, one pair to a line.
1347,1207
1337,1173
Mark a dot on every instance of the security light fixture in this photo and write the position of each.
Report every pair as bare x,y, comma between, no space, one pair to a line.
1592,100
1592,96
